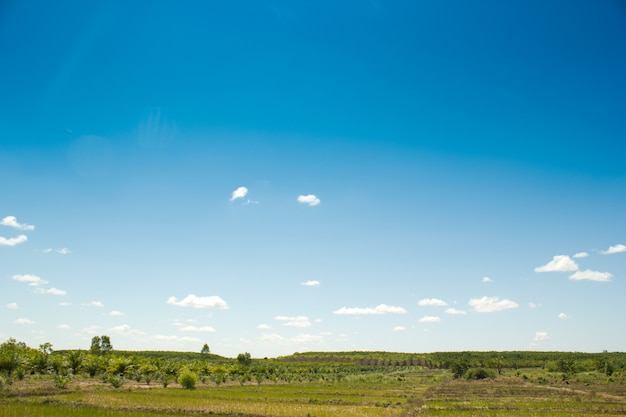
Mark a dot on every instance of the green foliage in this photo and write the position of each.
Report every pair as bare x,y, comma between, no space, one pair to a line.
187,379
101,345
478,373
116,381
61,381
244,359
205,349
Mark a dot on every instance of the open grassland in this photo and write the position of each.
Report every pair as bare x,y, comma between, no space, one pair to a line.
400,392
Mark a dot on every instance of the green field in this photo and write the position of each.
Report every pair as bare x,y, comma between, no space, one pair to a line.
322,384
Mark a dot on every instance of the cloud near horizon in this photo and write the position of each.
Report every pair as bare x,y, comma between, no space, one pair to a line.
491,304
432,302
591,276
33,280
12,241
297,321
559,263
614,249
53,291
454,311
430,319
310,200
207,329
310,283
11,221
379,309
194,301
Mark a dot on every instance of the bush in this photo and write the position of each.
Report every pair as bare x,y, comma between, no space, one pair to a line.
478,373
187,379
116,380
61,381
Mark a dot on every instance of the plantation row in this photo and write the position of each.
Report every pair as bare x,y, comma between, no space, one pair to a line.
116,367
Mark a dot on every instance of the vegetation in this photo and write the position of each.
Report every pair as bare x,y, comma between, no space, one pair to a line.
105,382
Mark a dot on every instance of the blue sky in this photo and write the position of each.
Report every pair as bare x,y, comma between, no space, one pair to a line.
272,176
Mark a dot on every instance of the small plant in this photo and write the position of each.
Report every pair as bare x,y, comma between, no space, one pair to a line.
187,379
165,379
116,380
61,381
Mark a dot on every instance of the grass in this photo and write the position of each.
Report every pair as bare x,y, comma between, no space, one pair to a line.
401,393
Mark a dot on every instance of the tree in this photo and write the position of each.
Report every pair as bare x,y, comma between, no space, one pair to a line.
205,349
244,359
101,344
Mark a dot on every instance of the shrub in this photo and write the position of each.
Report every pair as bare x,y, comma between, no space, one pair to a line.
61,381
478,373
187,379
116,380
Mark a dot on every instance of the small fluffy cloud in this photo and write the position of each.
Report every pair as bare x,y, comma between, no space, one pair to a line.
12,241
533,305
310,283
199,302
116,313
581,255
93,329
298,321
11,221
263,326
12,306
614,249
24,321
430,319
207,329
33,280
541,336
240,192
491,304
310,200
62,251
432,302
454,311
591,275
399,329
125,329
487,279
379,309
559,263
53,291
63,326
94,304
563,316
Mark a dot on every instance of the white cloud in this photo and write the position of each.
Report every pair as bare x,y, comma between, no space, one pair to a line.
533,305
93,329
93,304
430,319
399,329
116,313
207,329
33,280
24,321
199,302
53,291
454,311
12,306
310,283
264,326
487,279
125,329
491,304
11,221
432,302
591,275
240,192
541,336
62,251
581,255
614,249
163,338
63,326
298,321
12,241
563,316
559,263
379,309
310,200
